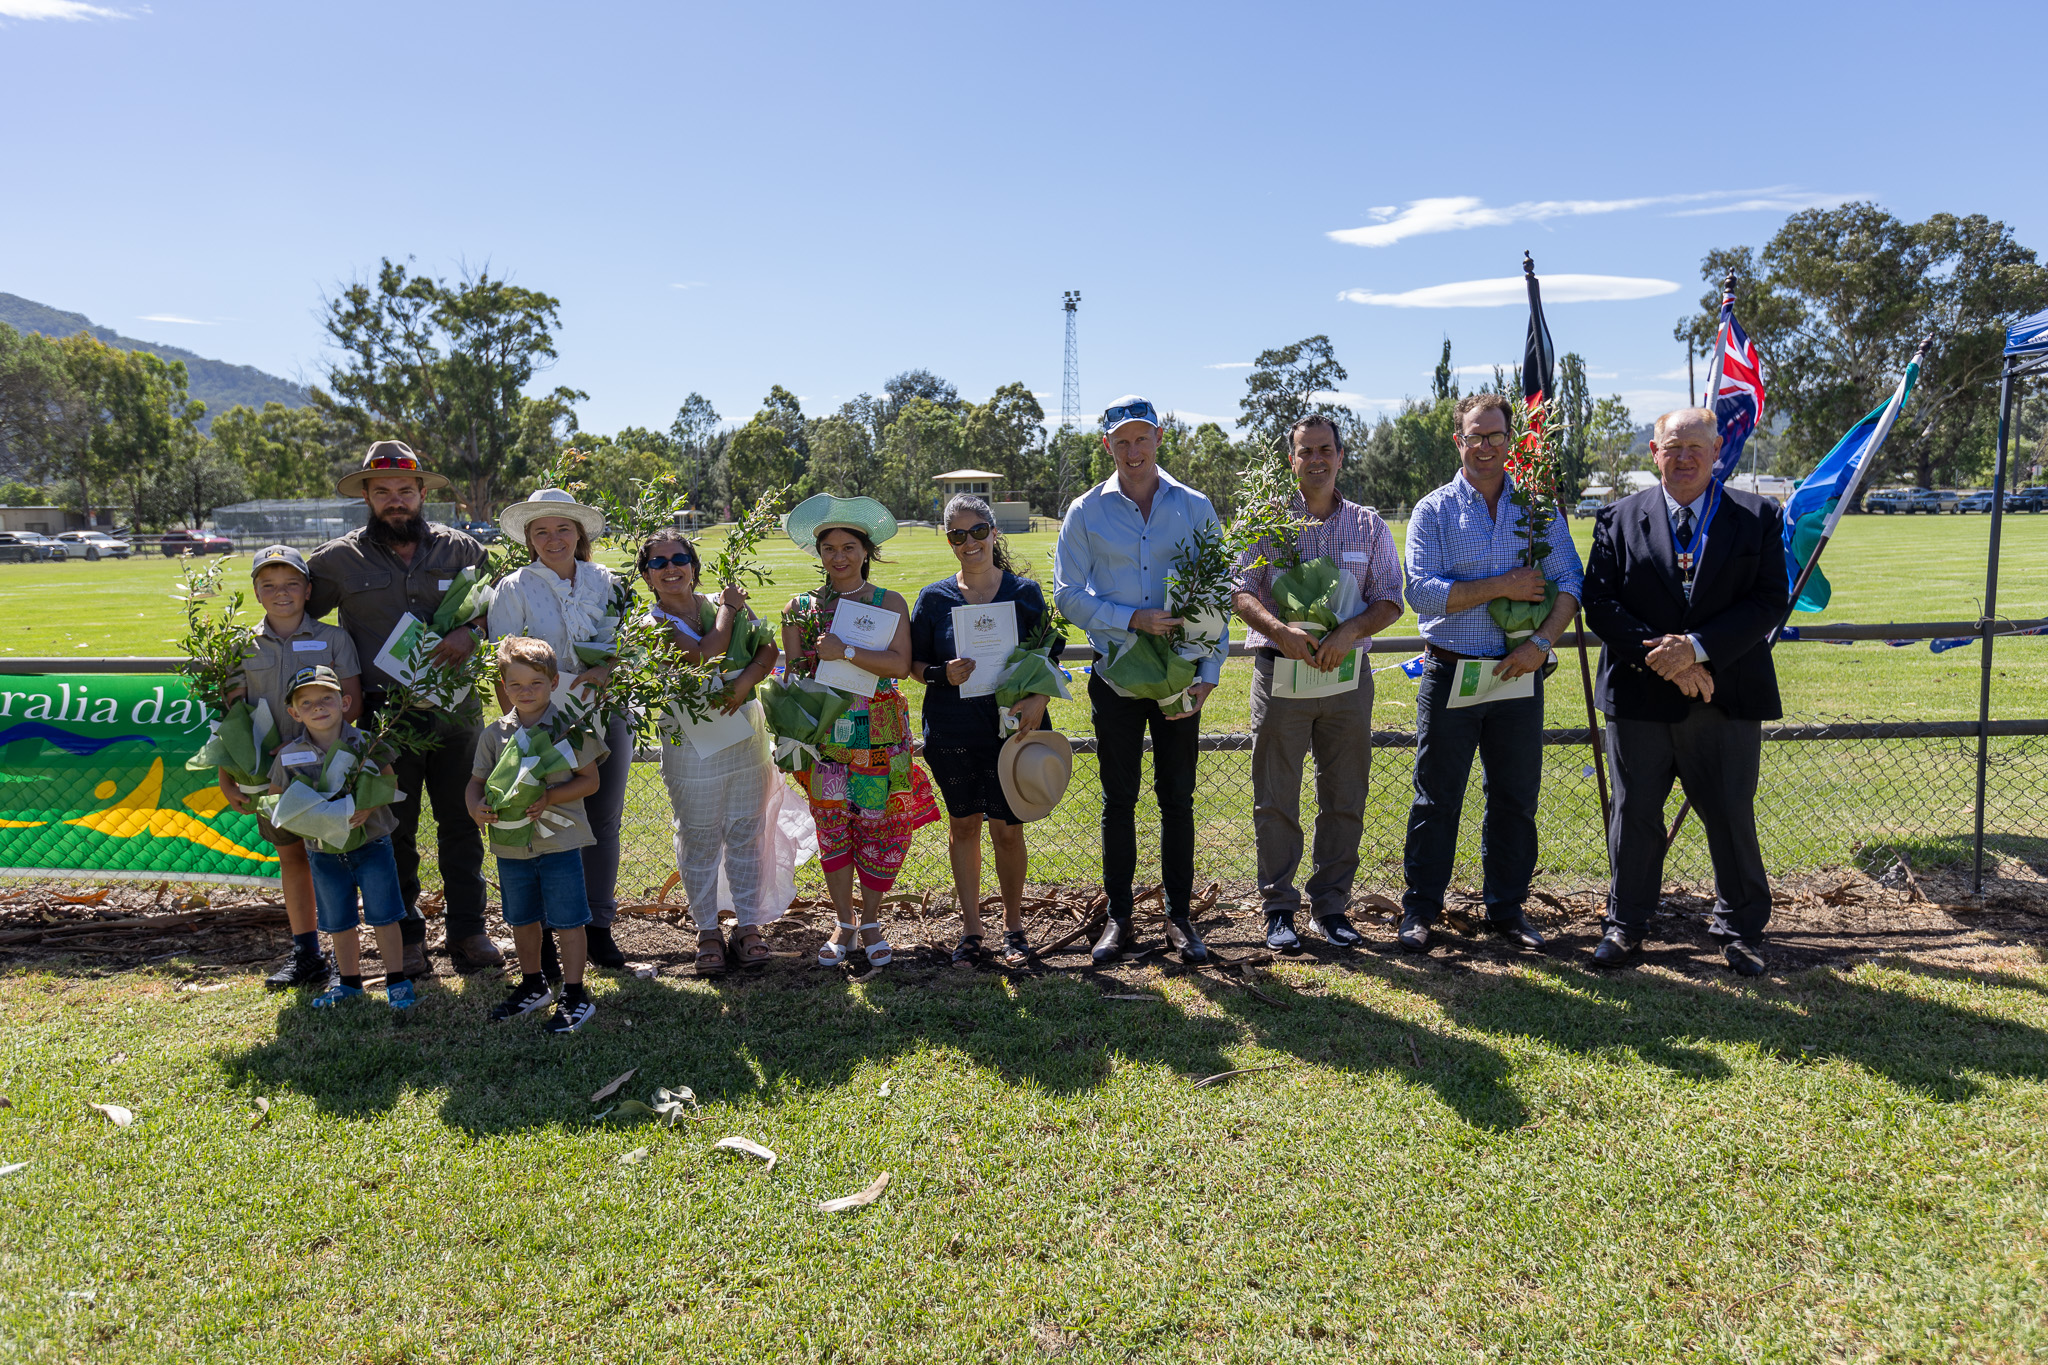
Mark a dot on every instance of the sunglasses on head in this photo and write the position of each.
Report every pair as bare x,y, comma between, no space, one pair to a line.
981,530
684,560
1140,412
393,462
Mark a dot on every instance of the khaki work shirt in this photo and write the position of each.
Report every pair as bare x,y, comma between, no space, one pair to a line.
374,587
560,839
303,759
270,661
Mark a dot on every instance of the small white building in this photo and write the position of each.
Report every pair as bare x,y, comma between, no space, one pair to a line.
1011,517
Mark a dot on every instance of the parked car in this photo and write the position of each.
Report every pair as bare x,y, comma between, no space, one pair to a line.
1908,500
2032,499
482,532
1587,507
1979,501
52,549
96,545
23,547
175,543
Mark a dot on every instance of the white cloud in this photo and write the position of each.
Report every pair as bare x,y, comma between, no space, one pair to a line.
55,9
1649,403
1459,213
693,284
1603,374
1678,373
1230,365
1356,402
1475,369
1501,293
166,317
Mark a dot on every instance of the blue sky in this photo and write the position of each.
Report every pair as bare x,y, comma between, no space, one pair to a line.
820,196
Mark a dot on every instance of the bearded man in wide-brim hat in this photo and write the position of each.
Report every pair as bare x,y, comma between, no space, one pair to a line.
399,562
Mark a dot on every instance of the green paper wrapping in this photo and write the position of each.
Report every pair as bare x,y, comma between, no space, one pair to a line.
516,782
243,746
800,714
591,653
1026,673
749,633
1305,593
1519,620
1149,667
467,598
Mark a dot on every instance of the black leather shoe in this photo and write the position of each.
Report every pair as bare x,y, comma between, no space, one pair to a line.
1337,931
1413,933
1117,937
1280,935
1617,948
474,953
1180,932
1744,959
1514,926
1719,928
303,971
604,952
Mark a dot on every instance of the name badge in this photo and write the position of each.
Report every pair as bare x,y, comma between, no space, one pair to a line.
307,646
447,583
300,759
1354,556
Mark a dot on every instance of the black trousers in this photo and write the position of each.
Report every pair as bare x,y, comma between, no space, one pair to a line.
1716,759
1120,725
441,775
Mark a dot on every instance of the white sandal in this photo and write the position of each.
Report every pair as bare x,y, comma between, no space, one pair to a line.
880,954
832,954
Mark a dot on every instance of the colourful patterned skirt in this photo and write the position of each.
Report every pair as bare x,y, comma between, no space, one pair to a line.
867,796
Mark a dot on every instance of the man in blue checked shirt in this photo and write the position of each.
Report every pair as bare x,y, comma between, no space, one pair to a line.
1109,570
1464,543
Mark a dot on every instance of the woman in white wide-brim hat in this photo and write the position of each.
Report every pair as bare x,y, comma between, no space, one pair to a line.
867,796
565,599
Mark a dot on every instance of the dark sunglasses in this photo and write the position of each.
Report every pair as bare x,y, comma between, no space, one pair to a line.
1141,412
980,531
681,561
392,462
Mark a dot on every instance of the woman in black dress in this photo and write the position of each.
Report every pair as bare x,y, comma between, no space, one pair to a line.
961,737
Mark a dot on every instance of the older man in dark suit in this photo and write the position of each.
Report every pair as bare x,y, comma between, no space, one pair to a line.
1685,582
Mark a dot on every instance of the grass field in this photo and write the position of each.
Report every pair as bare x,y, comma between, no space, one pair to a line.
1520,1162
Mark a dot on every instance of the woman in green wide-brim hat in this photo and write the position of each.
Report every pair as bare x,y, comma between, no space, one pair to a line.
866,795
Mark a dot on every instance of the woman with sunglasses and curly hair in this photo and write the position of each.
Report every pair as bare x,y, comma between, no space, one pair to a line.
725,802
961,740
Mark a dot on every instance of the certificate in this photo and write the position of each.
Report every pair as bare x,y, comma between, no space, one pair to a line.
1475,682
864,626
1301,679
720,732
987,635
406,637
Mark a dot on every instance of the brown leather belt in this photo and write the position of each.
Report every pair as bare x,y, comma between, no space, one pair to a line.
1449,656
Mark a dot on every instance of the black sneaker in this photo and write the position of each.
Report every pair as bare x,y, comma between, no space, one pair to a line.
1337,931
571,1015
305,970
523,1000
1280,935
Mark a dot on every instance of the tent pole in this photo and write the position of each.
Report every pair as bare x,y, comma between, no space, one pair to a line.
1990,615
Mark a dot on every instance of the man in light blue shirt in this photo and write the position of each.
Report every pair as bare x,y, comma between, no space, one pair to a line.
1116,546
1465,541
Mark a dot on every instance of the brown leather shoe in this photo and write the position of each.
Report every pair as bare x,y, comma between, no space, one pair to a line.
475,953
415,962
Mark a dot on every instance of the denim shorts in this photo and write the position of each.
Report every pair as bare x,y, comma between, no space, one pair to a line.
548,887
337,877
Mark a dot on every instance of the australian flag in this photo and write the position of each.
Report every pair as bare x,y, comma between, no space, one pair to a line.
1738,400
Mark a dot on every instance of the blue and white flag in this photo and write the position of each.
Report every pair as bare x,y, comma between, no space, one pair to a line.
1817,505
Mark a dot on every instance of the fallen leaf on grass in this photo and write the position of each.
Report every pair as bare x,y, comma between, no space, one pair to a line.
634,1157
12,1167
628,1109
611,1087
751,1148
92,898
854,1201
262,1108
1241,1071
884,1091
197,989
120,1117
1134,997
668,1104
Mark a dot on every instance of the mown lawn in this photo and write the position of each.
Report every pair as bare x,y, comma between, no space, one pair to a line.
1465,1162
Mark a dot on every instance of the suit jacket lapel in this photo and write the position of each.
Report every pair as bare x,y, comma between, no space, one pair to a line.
1663,552
1721,538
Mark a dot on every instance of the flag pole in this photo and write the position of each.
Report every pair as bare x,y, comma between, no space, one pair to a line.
1848,495
1711,395
1990,612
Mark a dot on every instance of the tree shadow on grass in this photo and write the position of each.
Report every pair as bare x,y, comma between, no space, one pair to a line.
1927,1046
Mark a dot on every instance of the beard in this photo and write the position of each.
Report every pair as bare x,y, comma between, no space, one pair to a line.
409,531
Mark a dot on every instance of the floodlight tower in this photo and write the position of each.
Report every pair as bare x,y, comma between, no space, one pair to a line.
1070,391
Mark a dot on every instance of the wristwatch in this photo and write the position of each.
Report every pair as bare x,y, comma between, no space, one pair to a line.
1542,642
849,654
934,673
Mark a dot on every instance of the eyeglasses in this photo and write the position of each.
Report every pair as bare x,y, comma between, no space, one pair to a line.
980,531
1140,411
681,561
1492,440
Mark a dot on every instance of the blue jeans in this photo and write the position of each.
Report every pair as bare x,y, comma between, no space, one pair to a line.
337,877
1508,738
548,887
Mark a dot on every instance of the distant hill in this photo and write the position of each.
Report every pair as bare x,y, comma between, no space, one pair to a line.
215,383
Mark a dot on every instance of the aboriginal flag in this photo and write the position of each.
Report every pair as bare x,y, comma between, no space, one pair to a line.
1539,356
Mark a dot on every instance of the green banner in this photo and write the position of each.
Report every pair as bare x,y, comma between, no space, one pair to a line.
93,784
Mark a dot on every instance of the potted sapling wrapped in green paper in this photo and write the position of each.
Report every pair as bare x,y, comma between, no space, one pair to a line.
515,782
1532,468
244,736
1032,670
800,714
407,653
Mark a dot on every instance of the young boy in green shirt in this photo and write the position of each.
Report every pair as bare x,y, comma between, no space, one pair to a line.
287,641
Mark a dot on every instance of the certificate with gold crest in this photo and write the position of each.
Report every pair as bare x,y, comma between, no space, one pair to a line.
864,626
986,634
